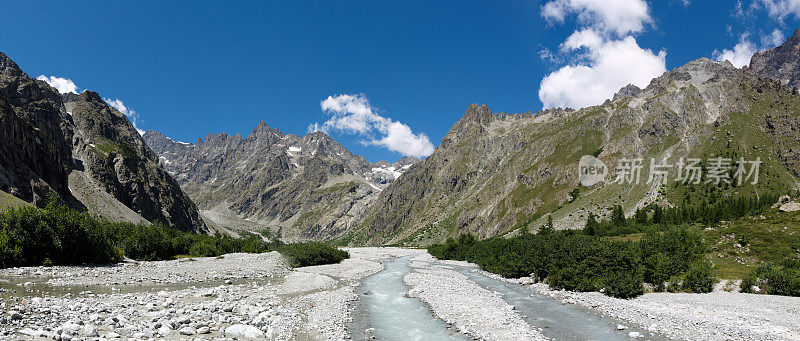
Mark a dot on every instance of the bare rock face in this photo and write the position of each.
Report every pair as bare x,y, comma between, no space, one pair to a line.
49,139
781,63
35,134
306,188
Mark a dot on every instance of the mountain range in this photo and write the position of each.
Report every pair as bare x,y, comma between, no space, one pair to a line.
302,188
493,173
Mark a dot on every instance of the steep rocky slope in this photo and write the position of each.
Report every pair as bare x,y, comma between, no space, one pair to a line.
308,187
36,135
494,173
85,151
781,63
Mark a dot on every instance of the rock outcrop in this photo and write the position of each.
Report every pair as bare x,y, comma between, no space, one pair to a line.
781,63
35,137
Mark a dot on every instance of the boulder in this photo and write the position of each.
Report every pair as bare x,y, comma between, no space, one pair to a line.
790,207
243,331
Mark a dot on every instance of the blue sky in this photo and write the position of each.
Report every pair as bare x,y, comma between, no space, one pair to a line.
405,68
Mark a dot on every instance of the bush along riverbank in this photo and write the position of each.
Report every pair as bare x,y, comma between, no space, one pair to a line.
59,236
664,248
669,260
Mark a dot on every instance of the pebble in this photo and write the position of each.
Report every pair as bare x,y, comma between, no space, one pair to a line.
188,331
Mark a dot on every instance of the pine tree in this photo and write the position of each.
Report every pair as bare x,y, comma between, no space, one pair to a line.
617,216
658,214
592,226
640,217
547,229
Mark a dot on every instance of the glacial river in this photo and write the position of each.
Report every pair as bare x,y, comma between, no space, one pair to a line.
390,315
395,316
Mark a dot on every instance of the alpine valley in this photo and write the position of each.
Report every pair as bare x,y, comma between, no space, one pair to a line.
492,174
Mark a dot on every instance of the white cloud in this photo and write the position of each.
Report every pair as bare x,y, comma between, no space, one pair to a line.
780,9
612,65
353,114
612,16
586,38
548,56
63,85
605,56
740,54
686,3
401,139
773,39
129,112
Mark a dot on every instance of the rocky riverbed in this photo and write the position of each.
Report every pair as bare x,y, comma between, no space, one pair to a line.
236,296
242,296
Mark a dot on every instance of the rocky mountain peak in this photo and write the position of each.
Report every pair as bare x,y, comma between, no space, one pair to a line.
407,160
478,113
91,96
629,90
474,121
8,68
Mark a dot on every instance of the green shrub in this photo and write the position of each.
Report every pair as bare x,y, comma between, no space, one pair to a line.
573,260
774,279
29,236
203,249
60,236
675,284
146,243
624,284
698,278
308,254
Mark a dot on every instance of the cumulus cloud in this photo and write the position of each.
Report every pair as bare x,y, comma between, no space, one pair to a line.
615,16
605,56
129,112
63,85
613,65
352,114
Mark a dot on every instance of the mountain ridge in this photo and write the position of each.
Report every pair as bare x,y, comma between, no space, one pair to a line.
85,151
305,188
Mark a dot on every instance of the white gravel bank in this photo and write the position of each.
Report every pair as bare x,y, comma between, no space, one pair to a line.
186,270
470,308
206,298
713,316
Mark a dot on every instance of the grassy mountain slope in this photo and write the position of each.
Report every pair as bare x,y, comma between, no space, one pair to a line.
495,173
